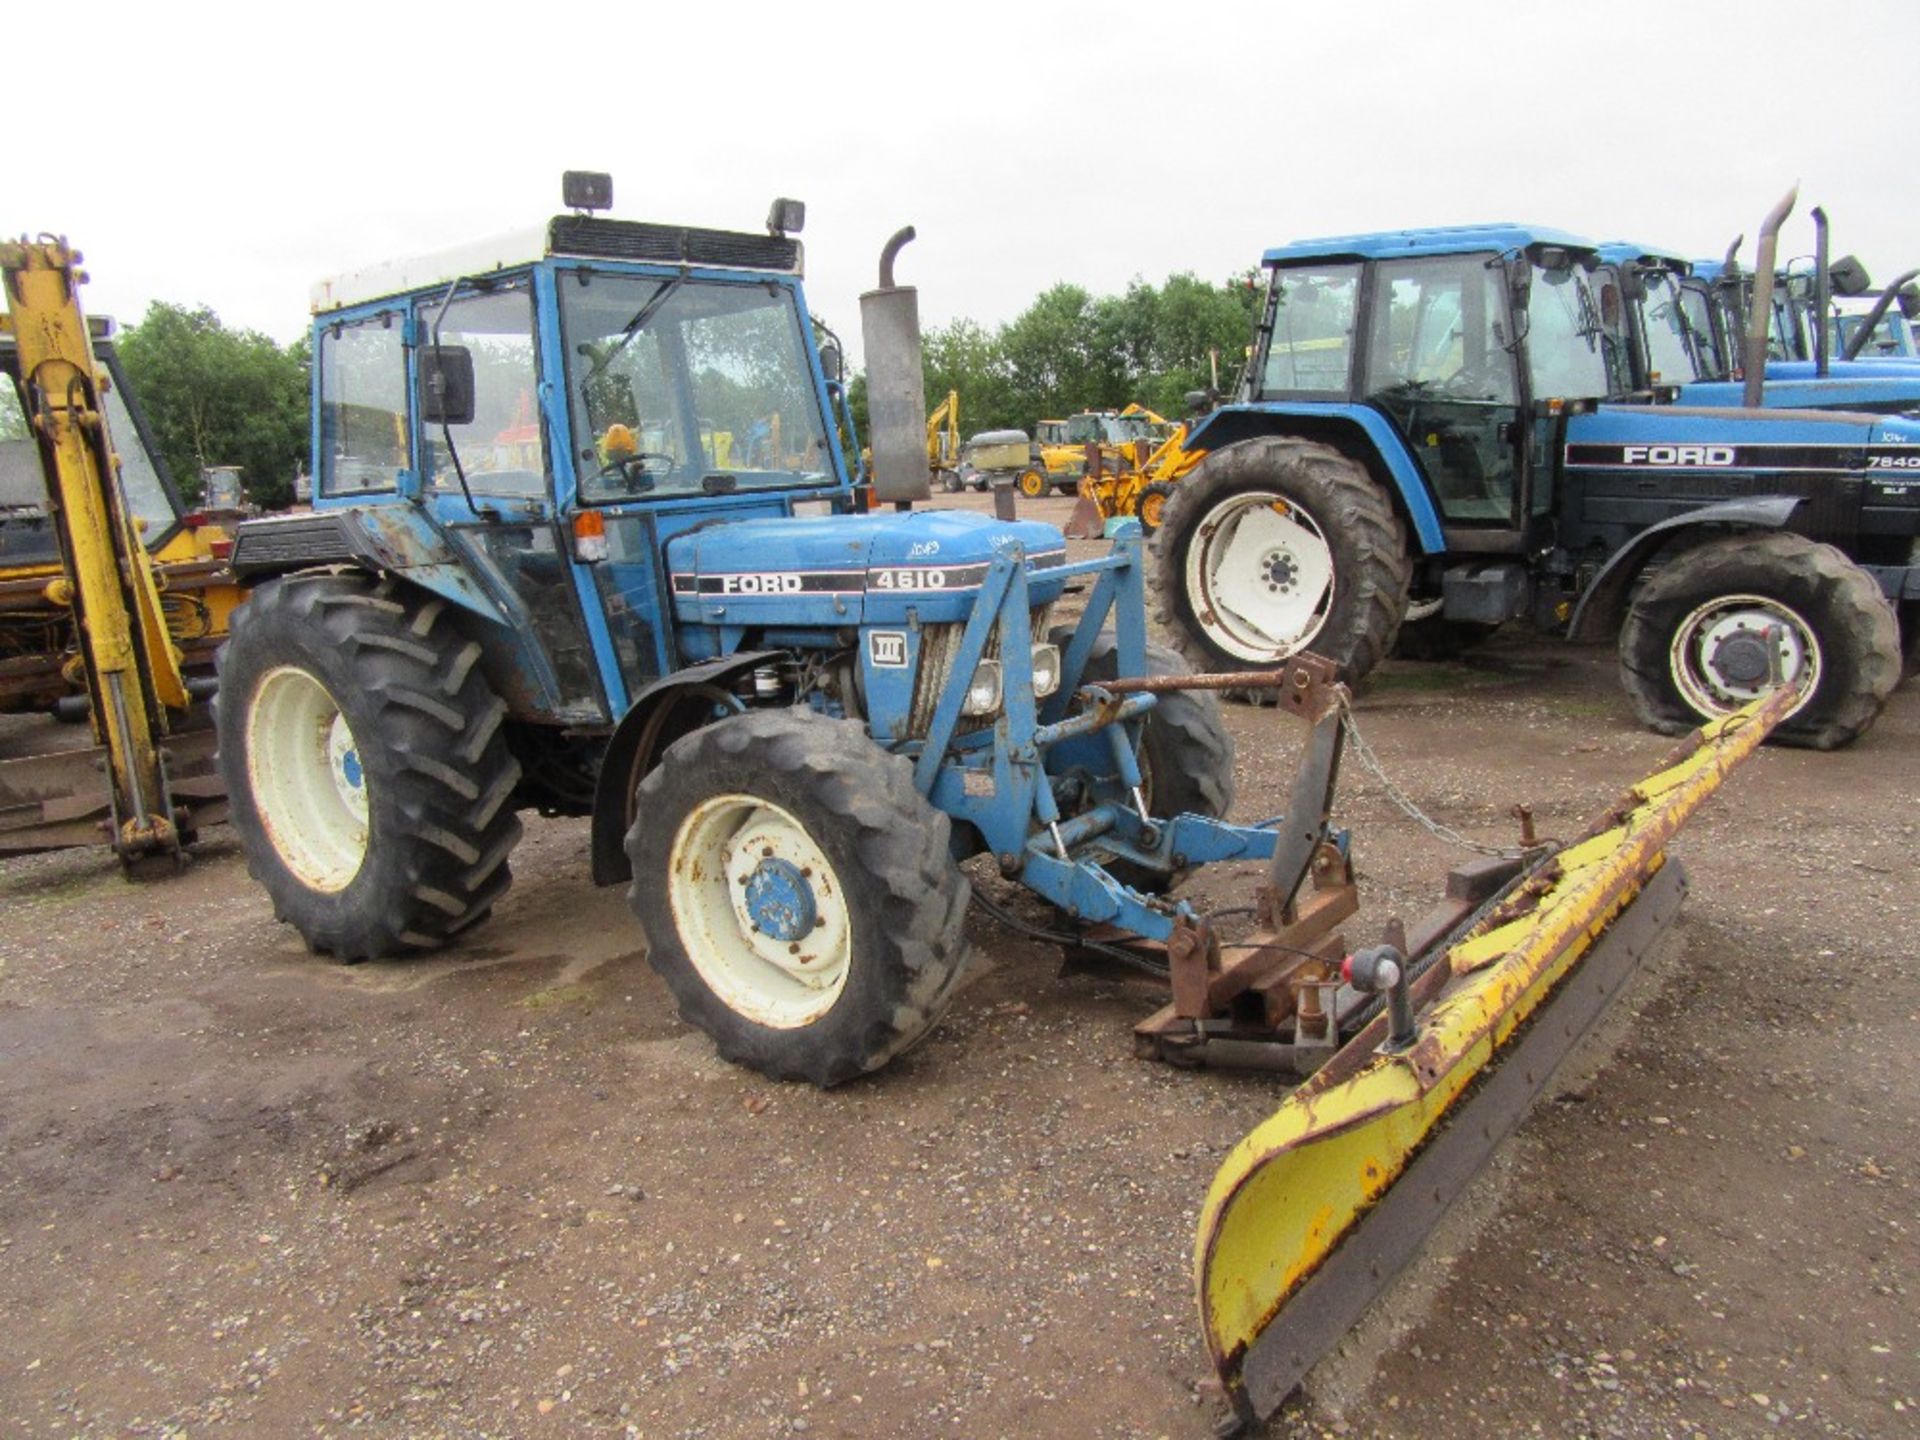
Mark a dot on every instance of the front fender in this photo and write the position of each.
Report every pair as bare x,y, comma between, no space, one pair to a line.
659,715
1603,601
1360,431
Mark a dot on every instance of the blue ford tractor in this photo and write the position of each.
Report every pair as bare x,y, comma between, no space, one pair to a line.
583,541
1425,434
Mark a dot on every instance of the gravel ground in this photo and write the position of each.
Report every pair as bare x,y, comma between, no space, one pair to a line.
504,1192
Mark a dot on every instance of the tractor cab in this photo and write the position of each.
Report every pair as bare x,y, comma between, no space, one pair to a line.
526,426
1468,341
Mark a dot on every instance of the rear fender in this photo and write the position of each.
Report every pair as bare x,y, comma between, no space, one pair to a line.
670,707
1362,434
1601,606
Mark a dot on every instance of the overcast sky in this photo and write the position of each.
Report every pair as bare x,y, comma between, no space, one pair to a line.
230,155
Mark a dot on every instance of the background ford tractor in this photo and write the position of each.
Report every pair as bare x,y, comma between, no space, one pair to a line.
1424,436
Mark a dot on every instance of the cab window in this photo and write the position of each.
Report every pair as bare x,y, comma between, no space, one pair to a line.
499,450
1439,330
363,406
1309,340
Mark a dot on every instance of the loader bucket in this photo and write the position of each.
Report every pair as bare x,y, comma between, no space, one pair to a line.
1316,1210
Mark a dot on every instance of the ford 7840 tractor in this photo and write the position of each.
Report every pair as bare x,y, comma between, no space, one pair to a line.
583,541
1425,433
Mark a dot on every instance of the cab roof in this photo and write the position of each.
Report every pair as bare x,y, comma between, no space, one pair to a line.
584,236
1621,252
1432,240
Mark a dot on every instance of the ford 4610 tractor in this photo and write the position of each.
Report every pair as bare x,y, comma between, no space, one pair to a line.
584,541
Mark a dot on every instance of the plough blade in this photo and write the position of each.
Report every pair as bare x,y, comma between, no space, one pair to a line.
1316,1210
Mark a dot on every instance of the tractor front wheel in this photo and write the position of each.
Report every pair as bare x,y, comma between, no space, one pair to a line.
1276,545
1710,627
366,763
798,894
1034,484
1186,752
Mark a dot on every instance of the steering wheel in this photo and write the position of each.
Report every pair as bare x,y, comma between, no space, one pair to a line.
631,472
1472,383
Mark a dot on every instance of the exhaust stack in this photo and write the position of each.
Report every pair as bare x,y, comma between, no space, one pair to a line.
1760,310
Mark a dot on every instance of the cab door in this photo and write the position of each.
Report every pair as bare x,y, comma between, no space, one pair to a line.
1438,363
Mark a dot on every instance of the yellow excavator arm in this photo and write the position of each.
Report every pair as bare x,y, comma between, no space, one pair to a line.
129,663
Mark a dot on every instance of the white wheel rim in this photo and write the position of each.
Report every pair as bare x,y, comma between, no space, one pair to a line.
1718,658
309,788
1260,576
760,911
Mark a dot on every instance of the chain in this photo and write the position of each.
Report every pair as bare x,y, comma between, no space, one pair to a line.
1439,830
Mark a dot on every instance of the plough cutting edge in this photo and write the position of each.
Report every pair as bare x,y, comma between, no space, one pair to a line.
1313,1214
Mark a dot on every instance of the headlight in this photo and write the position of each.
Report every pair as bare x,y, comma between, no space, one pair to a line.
983,691
1046,670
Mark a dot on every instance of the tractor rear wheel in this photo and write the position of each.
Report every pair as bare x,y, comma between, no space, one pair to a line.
1034,483
1276,545
367,764
1703,631
798,894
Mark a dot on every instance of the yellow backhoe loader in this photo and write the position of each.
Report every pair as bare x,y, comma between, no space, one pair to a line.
110,596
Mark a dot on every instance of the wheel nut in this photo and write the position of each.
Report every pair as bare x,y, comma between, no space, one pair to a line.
794,948
766,852
806,872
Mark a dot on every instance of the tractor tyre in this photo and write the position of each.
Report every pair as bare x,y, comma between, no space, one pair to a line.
366,761
1275,545
1151,512
1693,646
1034,484
950,481
1186,752
798,894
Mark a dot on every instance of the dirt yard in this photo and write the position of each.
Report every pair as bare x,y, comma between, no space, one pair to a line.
505,1192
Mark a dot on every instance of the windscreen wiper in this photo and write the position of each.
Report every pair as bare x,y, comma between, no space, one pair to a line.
603,358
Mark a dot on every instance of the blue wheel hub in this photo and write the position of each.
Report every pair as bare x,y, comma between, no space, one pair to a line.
780,900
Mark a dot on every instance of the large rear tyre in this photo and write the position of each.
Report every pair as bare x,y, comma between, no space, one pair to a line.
1698,632
798,894
366,764
1275,545
1186,752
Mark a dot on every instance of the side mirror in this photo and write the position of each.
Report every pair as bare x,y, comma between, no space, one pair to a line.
1848,276
832,364
446,385
1199,402
1519,281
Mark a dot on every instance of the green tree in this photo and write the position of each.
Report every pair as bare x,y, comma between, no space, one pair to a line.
216,396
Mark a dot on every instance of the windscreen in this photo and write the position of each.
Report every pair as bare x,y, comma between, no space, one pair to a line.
1663,316
1566,340
671,380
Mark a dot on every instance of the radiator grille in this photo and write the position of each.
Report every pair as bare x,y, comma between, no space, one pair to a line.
938,644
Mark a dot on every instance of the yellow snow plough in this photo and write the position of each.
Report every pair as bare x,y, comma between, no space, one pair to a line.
1421,1053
